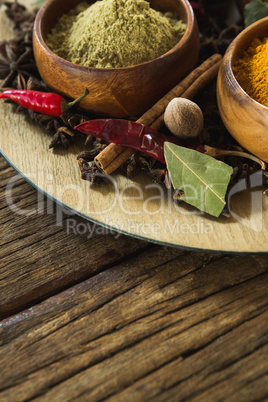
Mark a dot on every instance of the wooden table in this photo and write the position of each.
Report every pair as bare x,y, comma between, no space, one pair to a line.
89,315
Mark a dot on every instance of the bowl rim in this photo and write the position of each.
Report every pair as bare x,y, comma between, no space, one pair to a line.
230,54
191,25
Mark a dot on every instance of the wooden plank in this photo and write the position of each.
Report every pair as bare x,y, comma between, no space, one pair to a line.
145,329
44,249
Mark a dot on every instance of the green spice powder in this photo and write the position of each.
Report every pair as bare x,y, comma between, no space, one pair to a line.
114,33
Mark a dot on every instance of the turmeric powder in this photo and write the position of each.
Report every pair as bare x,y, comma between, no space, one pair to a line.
251,70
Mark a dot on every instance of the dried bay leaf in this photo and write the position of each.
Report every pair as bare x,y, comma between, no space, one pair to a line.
254,11
203,179
38,3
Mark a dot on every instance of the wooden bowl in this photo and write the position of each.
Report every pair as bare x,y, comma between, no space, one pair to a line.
244,118
116,92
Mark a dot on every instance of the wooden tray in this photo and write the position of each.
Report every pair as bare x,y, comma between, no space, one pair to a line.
137,208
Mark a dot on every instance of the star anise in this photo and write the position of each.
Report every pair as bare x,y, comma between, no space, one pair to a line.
18,70
64,128
96,147
138,162
62,136
16,55
17,13
63,132
14,64
90,172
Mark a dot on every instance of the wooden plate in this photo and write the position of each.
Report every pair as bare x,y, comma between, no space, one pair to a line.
137,208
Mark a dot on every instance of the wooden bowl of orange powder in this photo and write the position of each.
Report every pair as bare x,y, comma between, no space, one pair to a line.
242,89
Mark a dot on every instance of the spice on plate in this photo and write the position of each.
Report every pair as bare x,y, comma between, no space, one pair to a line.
114,33
251,70
113,156
132,134
184,118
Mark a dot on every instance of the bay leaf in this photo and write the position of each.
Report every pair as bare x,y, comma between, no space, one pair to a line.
254,11
203,179
37,3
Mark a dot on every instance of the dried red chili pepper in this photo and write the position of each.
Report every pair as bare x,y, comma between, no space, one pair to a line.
42,102
131,134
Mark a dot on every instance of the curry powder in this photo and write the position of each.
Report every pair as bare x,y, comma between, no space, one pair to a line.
114,33
251,70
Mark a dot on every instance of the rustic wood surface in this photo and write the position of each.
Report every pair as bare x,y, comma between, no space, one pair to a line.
114,318
87,314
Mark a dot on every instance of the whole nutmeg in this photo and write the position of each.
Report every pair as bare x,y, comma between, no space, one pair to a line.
184,118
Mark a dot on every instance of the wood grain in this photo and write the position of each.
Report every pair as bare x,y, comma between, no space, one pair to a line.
165,324
114,318
159,326
44,248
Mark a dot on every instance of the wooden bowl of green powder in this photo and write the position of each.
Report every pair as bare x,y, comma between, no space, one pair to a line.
127,53
242,89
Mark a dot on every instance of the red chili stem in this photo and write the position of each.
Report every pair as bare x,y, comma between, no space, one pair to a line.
67,105
42,102
133,135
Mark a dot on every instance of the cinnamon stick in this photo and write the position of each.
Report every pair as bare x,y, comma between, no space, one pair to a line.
201,82
159,107
113,156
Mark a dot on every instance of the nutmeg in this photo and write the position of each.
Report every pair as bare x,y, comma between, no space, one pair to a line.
184,118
